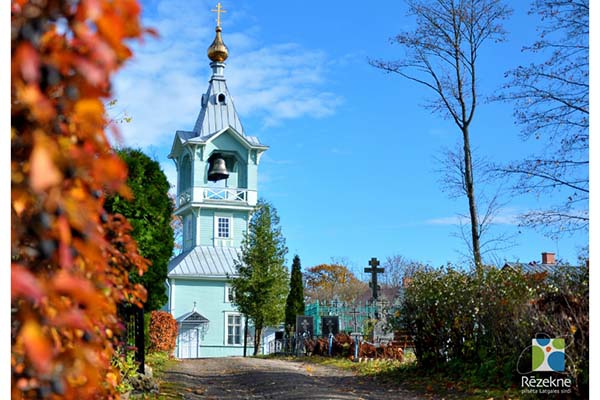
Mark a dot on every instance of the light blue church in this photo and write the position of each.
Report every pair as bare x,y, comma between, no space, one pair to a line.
217,171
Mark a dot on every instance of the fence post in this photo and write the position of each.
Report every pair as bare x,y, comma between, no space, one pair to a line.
140,345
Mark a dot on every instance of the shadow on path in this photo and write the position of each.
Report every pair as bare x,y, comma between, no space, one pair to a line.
250,378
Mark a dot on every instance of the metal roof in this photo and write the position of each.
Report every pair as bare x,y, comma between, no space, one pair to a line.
533,267
218,111
205,261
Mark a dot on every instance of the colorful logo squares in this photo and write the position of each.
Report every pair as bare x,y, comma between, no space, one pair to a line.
548,354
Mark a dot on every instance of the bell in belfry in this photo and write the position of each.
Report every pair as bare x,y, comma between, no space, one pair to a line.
218,169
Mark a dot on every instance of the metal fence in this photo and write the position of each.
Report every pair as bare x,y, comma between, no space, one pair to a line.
348,313
132,318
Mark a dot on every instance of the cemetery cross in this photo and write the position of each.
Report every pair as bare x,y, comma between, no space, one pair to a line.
374,263
356,334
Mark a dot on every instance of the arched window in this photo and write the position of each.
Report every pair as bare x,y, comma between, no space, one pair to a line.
185,174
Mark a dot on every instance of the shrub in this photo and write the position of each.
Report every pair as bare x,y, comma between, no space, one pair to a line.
477,325
163,331
127,367
71,261
563,311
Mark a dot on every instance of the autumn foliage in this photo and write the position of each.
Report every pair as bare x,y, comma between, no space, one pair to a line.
327,281
70,259
163,331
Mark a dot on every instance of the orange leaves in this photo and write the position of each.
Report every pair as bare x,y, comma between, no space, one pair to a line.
43,171
31,96
37,347
79,289
92,9
89,114
325,281
114,171
163,331
70,260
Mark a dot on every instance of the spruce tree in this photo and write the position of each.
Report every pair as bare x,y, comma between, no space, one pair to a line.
295,300
261,283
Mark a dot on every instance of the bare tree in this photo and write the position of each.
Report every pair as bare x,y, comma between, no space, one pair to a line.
551,102
396,268
442,54
452,180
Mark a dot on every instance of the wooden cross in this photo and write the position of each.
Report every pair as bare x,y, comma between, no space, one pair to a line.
374,271
219,10
354,313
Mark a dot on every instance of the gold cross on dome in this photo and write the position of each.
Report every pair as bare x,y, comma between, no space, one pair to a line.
218,10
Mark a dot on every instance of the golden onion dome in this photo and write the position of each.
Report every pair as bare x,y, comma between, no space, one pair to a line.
217,51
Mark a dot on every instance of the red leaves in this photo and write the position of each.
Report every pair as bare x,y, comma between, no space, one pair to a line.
24,284
78,289
29,62
95,75
71,261
163,331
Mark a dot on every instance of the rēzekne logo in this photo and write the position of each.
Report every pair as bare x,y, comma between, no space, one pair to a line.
548,354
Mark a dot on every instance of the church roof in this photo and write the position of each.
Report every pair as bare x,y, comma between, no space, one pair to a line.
218,111
192,317
183,137
205,261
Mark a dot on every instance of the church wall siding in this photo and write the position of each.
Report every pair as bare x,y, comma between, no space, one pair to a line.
206,227
209,296
252,176
239,221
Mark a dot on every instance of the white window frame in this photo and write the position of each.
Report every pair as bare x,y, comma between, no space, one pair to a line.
229,294
230,226
226,331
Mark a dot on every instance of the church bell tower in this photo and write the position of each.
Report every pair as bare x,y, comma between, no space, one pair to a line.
217,167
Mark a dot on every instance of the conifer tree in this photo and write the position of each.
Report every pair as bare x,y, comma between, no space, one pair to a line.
295,300
261,283
150,213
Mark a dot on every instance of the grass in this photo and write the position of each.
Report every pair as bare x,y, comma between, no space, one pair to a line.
159,362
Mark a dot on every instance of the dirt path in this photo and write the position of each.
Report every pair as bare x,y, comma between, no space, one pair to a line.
252,378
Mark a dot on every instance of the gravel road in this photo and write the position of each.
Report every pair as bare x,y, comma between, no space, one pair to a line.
253,378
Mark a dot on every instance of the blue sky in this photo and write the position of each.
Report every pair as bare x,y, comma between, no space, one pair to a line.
352,164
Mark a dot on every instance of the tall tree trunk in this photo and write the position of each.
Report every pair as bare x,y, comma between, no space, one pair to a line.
245,334
257,337
470,189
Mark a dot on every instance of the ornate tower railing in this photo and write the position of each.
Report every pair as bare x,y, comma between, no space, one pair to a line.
213,194
225,194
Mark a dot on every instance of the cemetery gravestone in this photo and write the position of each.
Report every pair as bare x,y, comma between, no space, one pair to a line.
304,325
381,333
330,325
